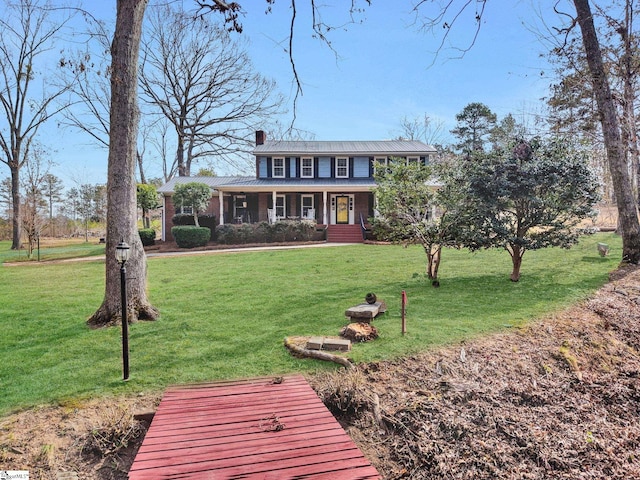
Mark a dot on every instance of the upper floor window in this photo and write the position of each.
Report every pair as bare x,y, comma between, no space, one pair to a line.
277,170
379,164
342,167
307,167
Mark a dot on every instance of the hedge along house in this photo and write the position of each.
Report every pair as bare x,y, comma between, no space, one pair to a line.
330,182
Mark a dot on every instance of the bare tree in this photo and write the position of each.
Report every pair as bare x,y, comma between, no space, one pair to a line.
34,217
91,68
121,184
6,199
27,36
203,83
573,104
422,128
616,150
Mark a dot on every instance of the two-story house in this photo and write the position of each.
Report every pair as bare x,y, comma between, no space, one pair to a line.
330,182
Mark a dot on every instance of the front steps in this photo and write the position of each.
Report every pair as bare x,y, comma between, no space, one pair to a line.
344,234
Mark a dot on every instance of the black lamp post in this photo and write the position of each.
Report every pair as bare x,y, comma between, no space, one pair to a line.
122,255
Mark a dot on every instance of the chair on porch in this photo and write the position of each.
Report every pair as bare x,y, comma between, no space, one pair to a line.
271,215
311,214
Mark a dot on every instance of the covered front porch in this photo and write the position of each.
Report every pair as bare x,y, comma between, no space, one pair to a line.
328,206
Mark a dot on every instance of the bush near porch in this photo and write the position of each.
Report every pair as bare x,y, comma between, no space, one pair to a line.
263,232
204,219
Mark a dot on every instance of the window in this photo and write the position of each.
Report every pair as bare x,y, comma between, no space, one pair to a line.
187,210
307,204
281,210
379,164
307,167
342,167
277,170
411,160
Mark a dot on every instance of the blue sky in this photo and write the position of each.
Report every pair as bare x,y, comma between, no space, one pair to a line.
384,71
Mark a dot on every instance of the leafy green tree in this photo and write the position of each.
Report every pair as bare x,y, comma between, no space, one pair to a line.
407,204
505,132
529,197
193,194
147,197
476,121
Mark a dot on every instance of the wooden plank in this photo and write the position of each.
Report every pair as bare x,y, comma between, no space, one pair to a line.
253,428
302,460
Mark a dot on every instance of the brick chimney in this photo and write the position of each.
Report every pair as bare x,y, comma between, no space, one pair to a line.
260,137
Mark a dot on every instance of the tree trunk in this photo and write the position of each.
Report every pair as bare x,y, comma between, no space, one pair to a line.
628,74
616,153
516,252
433,263
121,184
15,198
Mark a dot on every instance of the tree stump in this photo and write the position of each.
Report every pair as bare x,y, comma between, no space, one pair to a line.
359,332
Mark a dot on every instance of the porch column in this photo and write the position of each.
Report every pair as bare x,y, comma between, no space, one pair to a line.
221,198
273,205
324,208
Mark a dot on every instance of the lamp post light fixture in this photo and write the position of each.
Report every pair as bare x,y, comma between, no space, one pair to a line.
122,255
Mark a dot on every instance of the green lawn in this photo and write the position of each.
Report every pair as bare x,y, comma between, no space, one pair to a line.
225,315
52,250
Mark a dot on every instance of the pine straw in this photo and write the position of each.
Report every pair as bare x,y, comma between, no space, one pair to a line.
559,399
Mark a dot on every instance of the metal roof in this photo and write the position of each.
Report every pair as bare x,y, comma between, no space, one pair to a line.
353,147
252,184
213,182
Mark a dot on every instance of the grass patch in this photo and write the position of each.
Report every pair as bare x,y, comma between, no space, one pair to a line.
52,249
225,315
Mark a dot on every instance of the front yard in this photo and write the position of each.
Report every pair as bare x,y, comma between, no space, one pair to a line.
226,315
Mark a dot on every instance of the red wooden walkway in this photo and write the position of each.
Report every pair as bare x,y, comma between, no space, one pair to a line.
250,429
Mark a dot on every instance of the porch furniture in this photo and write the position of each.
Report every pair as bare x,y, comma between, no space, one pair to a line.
311,214
271,215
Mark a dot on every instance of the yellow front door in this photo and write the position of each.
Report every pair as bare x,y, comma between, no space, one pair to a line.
342,209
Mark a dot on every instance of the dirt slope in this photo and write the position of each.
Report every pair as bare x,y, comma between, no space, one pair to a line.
558,399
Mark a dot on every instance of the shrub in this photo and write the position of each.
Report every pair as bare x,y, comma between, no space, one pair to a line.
226,234
182,219
246,233
208,220
263,232
190,236
148,236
